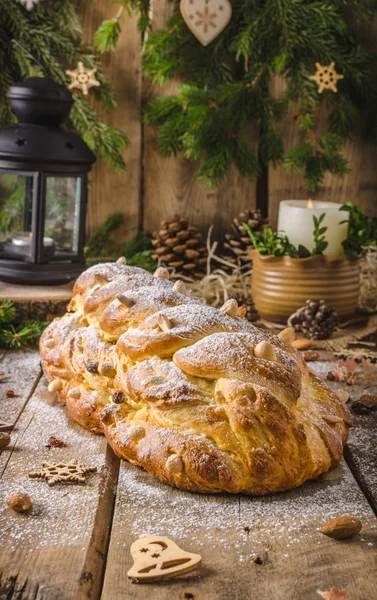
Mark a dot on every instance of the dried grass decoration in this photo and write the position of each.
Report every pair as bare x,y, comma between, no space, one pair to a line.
368,279
217,285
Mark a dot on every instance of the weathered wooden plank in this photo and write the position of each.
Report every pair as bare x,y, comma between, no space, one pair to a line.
361,456
109,192
360,452
251,547
58,550
20,371
170,184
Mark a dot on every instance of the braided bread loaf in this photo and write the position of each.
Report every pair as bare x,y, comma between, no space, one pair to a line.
197,396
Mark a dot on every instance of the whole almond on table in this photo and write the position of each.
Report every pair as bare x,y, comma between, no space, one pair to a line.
302,344
342,528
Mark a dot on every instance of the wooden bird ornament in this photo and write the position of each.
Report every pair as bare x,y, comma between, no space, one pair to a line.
157,558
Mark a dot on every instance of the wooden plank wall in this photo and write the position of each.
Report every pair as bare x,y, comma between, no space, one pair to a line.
108,192
154,188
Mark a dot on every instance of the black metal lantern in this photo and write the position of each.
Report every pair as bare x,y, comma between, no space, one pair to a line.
43,187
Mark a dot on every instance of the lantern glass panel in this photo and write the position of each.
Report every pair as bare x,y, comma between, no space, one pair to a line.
16,202
62,215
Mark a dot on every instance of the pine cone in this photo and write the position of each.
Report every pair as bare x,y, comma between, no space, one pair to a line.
180,246
315,320
246,301
238,240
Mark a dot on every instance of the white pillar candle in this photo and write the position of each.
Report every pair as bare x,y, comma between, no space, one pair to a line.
296,221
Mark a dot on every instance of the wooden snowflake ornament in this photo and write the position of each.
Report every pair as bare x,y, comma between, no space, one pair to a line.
82,78
157,557
62,472
326,77
206,18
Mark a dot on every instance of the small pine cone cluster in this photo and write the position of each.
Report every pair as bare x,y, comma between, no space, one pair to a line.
238,241
315,320
180,246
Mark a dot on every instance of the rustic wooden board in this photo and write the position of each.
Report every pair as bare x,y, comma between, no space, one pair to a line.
30,293
21,370
109,192
251,547
262,548
58,550
170,184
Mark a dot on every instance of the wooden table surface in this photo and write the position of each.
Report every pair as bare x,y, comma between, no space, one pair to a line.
75,542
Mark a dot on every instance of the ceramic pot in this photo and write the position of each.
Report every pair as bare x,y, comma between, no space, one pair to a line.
282,284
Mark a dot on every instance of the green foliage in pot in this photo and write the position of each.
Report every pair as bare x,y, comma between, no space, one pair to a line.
269,242
362,231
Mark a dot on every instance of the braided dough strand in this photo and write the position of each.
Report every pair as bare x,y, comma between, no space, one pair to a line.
198,397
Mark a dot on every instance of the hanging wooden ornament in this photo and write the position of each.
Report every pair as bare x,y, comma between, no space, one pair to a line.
326,77
82,78
206,18
157,558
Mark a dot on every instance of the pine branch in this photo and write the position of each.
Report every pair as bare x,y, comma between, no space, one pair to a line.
17,335
53,34
99,243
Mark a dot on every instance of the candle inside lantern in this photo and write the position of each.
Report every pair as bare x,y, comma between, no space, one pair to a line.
23,240
296,222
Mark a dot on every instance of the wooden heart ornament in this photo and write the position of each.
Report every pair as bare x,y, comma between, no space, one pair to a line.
157,558
206,18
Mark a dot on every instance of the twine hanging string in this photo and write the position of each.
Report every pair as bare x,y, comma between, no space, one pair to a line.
14,42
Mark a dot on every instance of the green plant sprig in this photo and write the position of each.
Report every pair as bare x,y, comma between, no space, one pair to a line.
17,335
320,243
137,251
362,230
269,242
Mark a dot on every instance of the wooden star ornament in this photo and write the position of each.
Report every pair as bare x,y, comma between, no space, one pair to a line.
82,78
333,594
326,77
